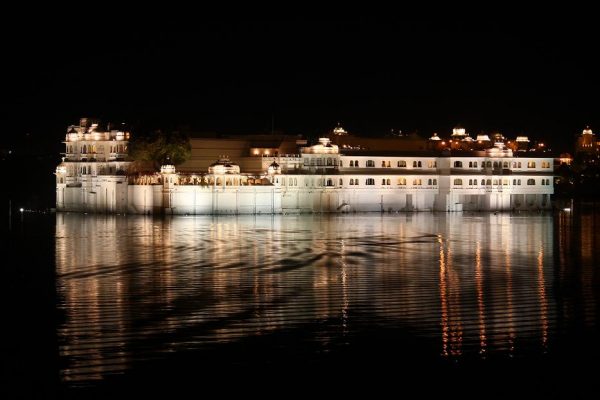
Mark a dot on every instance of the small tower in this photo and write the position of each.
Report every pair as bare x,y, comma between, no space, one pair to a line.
522,143
170,178
339,130
586,142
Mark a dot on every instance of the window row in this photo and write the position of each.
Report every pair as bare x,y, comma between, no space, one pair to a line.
388,164
500,164
388,182
319,162
495,182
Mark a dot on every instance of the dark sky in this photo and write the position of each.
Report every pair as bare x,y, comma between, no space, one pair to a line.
528,77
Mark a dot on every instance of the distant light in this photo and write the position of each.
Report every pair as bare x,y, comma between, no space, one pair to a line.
568,209
21,209
443,143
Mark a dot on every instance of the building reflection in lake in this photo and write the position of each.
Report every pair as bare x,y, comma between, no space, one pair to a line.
135,287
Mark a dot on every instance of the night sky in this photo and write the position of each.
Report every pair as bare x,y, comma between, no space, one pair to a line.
516,77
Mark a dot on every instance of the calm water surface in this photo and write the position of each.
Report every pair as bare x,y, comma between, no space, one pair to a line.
136,290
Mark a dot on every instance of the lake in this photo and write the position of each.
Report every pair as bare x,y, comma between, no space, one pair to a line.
129,299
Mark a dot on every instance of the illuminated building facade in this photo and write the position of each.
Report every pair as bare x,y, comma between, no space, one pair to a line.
341,173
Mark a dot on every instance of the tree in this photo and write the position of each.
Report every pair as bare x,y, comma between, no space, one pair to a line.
160,148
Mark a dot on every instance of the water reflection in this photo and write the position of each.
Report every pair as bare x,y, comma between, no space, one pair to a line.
137,288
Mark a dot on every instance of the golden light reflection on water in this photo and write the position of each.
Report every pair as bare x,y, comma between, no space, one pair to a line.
135,288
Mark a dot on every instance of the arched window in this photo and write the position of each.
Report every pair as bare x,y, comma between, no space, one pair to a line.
388,181
518,182
416,182
329,162
531,164
488,164
414,164
83,149
514,182
457,164
470,182
370,163
496,165
383,181
457,182
505,164
435,182
419,164
383,164
488,182
495,181
356,163
402,164
505,182
351,182
401,181
369,181
474,164
341,182
483,182
470,164
531,181
429,182
351,163
389,164
329,182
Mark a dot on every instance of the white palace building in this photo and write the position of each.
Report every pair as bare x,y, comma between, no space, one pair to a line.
282,174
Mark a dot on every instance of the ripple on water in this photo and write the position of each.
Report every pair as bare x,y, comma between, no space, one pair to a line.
136,289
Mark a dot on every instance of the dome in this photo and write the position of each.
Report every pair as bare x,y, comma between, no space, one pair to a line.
435,137
224,166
